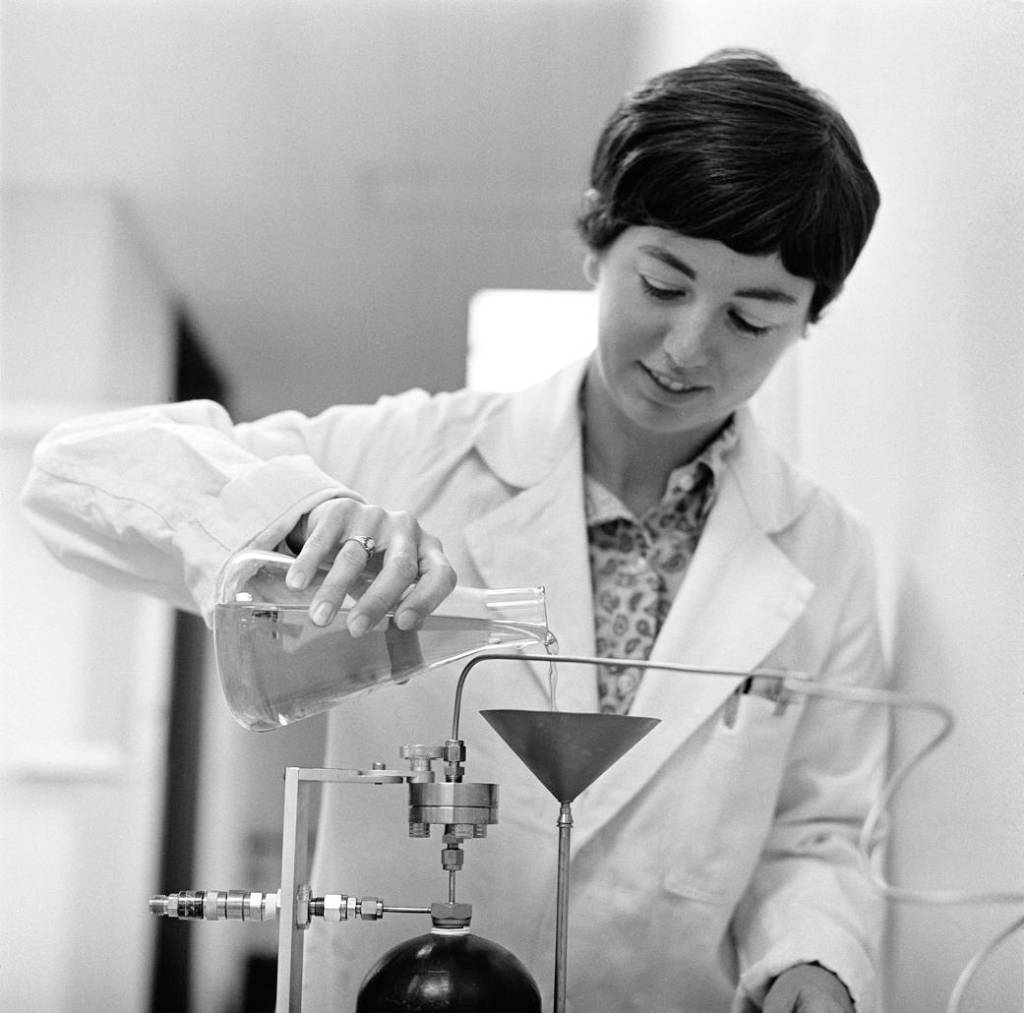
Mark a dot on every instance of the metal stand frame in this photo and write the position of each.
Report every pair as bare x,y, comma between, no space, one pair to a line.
294,870
294,914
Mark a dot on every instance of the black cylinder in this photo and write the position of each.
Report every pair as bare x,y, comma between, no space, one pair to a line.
444,972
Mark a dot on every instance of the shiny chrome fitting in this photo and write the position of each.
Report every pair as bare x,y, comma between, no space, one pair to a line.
452,859
455,751
211,905
191,904
334,907
453,802
252,909
235,905
371,908
271,905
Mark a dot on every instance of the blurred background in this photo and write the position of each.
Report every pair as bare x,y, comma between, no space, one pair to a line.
289,204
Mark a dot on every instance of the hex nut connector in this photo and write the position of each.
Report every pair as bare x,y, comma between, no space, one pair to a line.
452,859
454,751
371,908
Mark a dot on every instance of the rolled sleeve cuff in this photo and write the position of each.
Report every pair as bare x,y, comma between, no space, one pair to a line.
835,952
256,509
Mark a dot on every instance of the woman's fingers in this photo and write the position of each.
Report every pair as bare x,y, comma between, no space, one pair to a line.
407,572
321,532
399,542
436,581
341,579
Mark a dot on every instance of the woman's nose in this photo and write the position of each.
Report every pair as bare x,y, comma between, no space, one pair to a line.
686,343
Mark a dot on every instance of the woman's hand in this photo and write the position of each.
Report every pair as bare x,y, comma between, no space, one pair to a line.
414,576
807,988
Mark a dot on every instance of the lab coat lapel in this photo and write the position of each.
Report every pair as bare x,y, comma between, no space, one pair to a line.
538,535
740,597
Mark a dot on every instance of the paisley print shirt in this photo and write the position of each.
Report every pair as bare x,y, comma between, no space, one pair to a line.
638,564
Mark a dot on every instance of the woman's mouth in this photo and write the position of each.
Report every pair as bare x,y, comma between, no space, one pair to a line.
669,383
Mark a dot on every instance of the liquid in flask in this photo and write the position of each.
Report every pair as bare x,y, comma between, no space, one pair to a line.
277,667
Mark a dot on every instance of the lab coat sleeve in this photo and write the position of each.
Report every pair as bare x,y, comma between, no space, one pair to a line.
157,499
809,900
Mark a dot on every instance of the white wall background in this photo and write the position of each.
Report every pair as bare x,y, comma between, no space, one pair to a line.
912,408
84,670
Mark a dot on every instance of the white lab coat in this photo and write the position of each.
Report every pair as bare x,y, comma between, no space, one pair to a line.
714,855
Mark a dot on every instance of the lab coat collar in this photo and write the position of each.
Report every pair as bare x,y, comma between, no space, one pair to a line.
774,493
531,432
539,535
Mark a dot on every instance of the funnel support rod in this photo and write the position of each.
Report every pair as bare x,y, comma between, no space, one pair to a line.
562,909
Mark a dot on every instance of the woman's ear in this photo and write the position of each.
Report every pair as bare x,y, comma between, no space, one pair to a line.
591,267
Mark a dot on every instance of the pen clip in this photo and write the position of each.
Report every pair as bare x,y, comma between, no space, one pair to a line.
767,687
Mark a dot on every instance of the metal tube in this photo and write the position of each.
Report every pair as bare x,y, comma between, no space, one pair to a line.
783,677
562,911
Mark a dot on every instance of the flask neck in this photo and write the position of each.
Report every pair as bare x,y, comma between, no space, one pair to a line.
510,604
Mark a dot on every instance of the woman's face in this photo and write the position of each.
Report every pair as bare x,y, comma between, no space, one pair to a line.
688,330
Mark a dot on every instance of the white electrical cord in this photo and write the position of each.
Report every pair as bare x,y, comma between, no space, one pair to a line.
878,810
967,975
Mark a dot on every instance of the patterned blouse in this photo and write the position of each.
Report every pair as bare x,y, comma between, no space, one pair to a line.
638,565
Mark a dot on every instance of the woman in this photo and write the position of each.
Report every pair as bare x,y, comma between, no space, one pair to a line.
715,868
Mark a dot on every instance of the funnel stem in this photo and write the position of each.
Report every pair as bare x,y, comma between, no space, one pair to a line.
562,913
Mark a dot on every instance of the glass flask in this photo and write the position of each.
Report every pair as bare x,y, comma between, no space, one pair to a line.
276,667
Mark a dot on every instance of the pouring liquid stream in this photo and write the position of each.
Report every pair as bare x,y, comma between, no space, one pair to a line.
551,646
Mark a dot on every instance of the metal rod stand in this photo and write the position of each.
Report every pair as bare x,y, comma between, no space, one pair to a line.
562,913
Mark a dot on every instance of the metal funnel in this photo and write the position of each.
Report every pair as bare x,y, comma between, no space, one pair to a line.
566,751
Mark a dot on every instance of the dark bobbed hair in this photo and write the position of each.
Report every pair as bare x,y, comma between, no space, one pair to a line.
734,149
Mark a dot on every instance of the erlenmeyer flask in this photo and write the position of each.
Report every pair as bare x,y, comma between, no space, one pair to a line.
276,667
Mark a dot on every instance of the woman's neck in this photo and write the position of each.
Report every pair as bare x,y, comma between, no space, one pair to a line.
640,492
634,469
630,462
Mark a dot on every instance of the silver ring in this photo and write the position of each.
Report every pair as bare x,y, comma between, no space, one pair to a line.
365,542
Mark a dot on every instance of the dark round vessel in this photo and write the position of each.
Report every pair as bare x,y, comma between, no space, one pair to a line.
444,972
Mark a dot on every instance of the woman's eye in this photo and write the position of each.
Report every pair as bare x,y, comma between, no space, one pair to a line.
667,293
658,291
744,325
